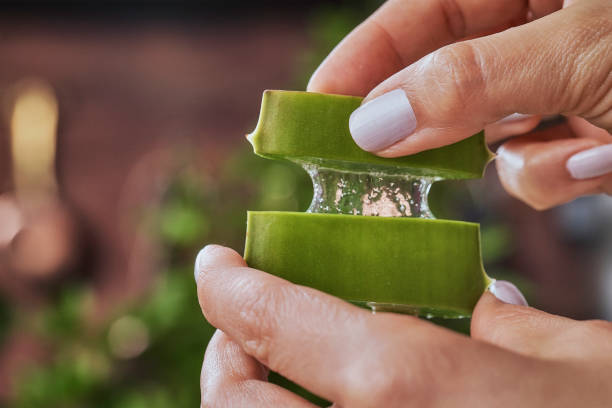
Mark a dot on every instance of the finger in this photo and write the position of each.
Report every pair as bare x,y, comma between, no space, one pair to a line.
552,167
550,66
303,334
582,128
508,322
401,31
535,333
232,378
512,125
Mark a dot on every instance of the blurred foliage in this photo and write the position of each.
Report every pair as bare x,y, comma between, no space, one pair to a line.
98,369
5,318
328,26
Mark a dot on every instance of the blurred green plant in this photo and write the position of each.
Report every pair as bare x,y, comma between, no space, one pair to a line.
150,353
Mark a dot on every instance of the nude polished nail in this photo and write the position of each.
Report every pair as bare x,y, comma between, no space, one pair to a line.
515,117
591,163
382,121
507,293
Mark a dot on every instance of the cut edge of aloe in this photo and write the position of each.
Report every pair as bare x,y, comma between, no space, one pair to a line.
313,127
433,266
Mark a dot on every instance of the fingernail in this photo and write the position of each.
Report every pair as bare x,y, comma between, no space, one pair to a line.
507,293
591,163
515,117
382,121
198,261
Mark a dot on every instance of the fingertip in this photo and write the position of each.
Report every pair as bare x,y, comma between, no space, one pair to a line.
591,163
486,308
331,77
534,168
515,124
500,299
314,83
320,80
214,256
489,311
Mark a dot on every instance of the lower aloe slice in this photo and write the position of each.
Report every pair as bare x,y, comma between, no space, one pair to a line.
432,267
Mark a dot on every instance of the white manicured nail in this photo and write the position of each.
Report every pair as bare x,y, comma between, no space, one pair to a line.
382,121
196,266
591,163
515,117
507,293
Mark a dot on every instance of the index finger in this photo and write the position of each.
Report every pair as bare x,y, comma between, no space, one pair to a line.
402,31
316,340
232,378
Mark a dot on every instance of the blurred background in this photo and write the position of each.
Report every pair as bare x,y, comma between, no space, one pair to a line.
122,153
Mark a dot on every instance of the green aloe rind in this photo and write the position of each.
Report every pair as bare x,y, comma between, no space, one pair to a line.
432,265
313,127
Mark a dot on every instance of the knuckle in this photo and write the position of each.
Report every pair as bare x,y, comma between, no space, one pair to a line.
257,314
460,71
392,375
260,312
383,389
587,74
373,384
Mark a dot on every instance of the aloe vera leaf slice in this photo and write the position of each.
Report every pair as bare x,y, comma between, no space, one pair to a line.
313,127
431,265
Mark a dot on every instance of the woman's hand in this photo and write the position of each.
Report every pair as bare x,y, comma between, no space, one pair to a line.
449,70
517,356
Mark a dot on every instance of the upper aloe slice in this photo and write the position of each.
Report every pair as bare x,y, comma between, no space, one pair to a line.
314,127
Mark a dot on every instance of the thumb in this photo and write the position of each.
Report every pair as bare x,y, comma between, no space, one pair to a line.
503,318
558,64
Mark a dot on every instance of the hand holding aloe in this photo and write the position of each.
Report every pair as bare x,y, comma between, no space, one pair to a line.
559,63
517,356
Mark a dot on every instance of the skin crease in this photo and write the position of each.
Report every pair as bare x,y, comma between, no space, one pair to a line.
465,72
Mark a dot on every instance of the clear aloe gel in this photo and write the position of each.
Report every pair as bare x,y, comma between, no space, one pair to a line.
369,194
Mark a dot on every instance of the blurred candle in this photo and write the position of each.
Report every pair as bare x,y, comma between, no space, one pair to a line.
33,125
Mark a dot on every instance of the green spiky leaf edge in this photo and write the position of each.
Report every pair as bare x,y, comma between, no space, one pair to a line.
313,127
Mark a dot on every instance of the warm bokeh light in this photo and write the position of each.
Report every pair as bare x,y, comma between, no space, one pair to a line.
128,337
10,219
33,126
